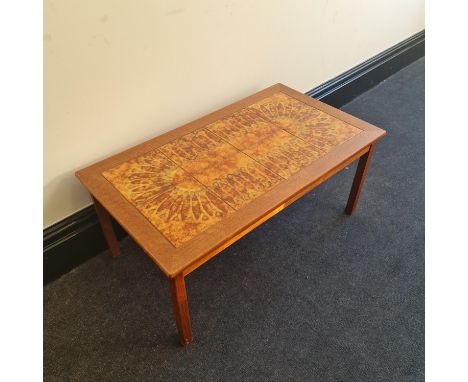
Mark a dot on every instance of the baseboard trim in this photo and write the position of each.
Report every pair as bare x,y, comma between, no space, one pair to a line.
350,84
72,241
78,237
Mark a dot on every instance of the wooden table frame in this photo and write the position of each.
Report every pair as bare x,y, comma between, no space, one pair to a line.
177,263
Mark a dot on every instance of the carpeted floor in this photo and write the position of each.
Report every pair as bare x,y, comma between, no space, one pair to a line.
311,295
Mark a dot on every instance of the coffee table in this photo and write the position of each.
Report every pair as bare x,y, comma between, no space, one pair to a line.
186,195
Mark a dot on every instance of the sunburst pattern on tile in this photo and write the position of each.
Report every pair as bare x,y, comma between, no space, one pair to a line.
145,177
304,121
224,170
197,180
266,142
175,203
185,211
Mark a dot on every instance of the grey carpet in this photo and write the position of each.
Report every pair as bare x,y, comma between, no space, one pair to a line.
311,295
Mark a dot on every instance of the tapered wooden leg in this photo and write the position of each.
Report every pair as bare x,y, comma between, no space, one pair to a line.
181,310
106,225
359,178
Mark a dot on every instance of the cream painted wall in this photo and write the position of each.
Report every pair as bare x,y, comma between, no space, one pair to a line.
118,72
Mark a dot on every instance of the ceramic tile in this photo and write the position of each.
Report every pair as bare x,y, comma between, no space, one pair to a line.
304,121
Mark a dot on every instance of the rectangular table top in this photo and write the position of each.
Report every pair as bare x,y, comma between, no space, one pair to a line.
187,194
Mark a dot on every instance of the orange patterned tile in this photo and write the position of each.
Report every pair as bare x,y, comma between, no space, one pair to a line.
173,201
190,146
210,159
145,177
185,211
244,117
243,136
283,153
304,121
235,178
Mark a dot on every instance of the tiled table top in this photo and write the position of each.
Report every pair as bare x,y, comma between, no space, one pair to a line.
197,180
191,192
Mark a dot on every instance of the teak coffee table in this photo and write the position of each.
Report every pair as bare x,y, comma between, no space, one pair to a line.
188,194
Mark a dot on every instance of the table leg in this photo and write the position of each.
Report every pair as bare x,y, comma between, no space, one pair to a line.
106,225
181,310
359,178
